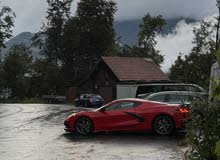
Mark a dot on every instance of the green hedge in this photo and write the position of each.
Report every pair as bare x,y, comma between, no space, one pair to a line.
204,131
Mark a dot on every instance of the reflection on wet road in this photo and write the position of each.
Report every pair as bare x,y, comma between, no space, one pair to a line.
34,132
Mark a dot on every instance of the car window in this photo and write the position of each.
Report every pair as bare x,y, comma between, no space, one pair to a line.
121,105
85,96
191,98
175,98
96,97
158,98
148,89
195,89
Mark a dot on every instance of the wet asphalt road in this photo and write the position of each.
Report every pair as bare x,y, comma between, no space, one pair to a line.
34,132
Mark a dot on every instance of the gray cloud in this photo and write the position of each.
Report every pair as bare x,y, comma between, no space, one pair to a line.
31,13
180,40
197,9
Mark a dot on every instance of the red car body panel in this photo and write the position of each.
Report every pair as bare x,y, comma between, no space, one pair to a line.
139,118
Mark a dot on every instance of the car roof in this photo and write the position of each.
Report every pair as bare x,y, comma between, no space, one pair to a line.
177,92
90,94
138,100
173,84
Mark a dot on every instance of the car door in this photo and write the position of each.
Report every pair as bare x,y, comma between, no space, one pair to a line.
117,116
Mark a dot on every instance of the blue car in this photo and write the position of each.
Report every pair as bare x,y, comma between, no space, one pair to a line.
89,100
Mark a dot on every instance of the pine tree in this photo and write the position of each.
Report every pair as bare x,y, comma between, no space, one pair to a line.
196,66
58,13
96,22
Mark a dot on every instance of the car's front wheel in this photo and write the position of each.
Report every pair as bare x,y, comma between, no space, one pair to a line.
84,126
163,125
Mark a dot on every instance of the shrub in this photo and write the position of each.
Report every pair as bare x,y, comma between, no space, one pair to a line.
204,131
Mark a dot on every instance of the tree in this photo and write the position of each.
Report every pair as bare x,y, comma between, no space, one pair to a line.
6,23
96,22
196,66
72,59
16,70
49,39
86,37
45,78
58,13
149,29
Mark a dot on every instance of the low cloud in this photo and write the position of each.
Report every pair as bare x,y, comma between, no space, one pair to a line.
196,9
180,40
31,13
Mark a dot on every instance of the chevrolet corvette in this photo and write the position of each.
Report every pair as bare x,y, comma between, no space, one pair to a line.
129,115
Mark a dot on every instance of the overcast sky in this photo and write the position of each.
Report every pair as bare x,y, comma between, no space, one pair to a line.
31,13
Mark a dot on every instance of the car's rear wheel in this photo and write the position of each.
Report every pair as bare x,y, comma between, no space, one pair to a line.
84,126
163,125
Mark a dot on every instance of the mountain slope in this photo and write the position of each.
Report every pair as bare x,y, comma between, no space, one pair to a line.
22,38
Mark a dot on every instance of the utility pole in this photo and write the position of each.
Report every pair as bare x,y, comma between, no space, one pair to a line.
218,25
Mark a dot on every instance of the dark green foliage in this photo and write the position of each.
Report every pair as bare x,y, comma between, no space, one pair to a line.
218,57
6,22
149,29
204,131
45,79
16,70
196,67
86,37
217,149
96,26
58,13
71,56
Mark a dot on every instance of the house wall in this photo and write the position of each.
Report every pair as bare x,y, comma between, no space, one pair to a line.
102,81
126,91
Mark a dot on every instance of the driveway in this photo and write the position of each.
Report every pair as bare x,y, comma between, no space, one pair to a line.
34,132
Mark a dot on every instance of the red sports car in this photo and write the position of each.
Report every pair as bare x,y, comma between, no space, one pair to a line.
129,115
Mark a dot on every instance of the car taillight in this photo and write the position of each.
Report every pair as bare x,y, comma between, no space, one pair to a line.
184,110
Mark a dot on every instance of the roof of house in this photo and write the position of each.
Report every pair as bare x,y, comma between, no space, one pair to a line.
135,69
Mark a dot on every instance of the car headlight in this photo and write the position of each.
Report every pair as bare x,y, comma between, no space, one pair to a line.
72,115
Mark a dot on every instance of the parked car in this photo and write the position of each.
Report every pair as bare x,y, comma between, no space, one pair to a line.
161,87
133,90
175,97
89,100
129,115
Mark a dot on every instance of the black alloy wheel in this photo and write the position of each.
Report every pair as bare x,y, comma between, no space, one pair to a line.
163,125
84,126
